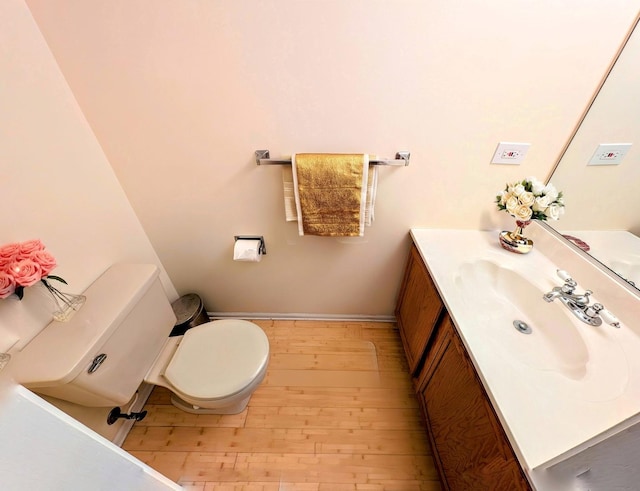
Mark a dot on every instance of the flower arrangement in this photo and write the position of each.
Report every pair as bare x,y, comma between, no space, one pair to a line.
531,199
23,264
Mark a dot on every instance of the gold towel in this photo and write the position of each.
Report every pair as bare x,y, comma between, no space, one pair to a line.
291,214
330,192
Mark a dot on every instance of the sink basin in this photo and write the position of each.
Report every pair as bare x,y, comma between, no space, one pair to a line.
563,351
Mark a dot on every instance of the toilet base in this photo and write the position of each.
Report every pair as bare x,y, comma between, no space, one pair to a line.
190,408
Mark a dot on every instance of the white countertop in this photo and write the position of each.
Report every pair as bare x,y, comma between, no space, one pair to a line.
550,411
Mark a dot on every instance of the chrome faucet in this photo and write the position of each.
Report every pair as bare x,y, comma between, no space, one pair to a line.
578,303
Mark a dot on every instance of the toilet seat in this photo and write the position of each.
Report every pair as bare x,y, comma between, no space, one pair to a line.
218,359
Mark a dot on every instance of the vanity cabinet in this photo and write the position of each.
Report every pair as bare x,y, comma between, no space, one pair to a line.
469,445
471,449
418,309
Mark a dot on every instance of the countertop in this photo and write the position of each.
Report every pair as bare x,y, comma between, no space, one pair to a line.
548,416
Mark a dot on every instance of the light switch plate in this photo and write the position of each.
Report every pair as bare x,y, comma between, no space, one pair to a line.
510,153
609,153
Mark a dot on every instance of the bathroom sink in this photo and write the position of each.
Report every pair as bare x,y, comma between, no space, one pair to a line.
566,387
560,348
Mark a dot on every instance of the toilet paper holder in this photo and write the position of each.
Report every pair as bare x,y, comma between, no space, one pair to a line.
262,250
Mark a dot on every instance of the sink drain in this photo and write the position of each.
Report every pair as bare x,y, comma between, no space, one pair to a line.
522,326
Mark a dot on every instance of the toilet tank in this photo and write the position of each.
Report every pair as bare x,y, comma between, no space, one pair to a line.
127,317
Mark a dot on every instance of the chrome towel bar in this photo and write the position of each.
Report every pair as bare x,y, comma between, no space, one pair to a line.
262,158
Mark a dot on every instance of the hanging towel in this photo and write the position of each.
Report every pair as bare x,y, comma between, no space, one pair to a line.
330,193
291,214
372,186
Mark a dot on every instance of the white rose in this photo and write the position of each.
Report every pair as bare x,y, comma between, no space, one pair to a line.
503,197
536,186
554,211
527,198
512,204
523,212
518,189
551,192
541,203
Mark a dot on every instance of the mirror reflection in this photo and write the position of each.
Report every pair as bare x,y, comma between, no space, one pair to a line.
602,199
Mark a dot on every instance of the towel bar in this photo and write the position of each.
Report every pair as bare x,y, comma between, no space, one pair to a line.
262,158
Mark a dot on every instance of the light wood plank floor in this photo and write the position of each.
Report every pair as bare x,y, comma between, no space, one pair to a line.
336,411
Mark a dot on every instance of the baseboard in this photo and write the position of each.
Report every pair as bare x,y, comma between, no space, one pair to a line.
300,316
144,391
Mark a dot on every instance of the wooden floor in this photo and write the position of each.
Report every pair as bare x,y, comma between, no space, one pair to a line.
336,411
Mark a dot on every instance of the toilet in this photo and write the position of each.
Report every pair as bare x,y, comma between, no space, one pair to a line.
120,338
214,367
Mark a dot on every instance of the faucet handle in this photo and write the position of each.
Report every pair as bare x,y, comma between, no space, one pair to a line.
566,277
609,318
606,316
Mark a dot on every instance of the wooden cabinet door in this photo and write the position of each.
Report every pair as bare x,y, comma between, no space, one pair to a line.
471,448
418,309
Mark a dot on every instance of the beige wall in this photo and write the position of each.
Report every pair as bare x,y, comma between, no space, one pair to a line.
180,94
606,197
56,183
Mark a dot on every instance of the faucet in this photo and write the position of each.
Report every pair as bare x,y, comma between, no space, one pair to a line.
578,303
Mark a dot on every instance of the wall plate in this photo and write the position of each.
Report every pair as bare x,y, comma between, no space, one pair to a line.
510,153
609,153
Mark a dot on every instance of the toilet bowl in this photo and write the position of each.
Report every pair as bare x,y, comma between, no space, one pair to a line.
214,367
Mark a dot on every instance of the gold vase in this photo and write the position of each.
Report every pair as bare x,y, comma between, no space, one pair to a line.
515,241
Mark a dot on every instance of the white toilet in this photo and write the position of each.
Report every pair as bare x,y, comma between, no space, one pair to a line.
214,368
120,338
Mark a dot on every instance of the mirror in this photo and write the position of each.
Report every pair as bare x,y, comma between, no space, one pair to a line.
603,198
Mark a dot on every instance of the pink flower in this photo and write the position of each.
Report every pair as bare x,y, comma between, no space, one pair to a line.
46,261
5,267
28,247
7,284
26,272
23,264
9,252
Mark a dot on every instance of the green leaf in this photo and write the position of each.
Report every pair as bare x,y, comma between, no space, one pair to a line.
57,278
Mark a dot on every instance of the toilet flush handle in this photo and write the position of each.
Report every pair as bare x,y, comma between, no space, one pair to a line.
97,361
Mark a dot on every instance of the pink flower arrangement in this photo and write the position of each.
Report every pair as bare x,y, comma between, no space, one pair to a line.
23,264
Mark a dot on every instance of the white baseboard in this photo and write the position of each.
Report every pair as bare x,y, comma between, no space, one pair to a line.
301,316
144,391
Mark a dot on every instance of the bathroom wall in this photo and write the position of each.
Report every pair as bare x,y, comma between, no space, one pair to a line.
180,94
55,181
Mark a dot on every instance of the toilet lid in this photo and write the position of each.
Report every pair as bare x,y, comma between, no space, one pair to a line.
218,359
